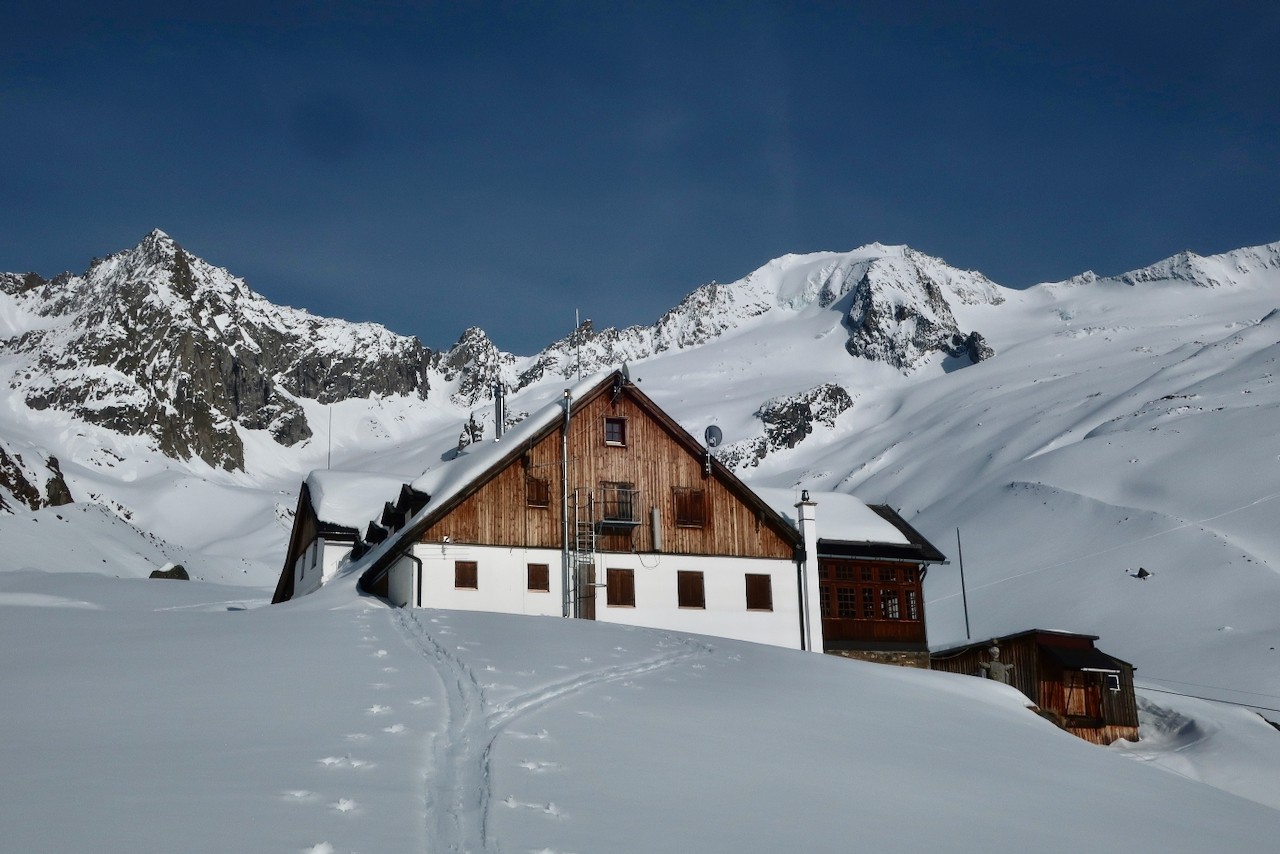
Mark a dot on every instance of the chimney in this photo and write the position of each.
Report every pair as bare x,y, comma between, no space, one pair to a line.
811,607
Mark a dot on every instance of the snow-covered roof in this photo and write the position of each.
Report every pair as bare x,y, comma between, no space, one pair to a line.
351,498
839,516
446,480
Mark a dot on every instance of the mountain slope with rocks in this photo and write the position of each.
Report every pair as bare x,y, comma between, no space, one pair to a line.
155,342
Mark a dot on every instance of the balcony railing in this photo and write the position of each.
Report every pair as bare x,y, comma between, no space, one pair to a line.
618,506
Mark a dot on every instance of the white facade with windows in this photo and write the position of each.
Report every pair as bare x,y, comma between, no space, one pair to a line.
502,585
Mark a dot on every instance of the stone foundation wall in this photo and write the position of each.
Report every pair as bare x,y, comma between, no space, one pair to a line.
901,659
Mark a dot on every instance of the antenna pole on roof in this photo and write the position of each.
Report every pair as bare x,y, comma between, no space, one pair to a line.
577,338
963,597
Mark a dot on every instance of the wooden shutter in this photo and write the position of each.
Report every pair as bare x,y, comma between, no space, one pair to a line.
760,593
691,589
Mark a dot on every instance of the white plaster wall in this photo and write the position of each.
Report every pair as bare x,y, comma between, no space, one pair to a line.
502,577
502,587
327,556
306,578
402,583
332,554
724,580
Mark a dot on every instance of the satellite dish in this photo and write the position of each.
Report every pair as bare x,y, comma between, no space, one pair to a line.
713,436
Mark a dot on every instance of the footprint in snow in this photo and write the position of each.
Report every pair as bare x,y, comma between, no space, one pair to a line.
538,767
320,848
357,736
380,686
382,653
541,734
377,709
345,762
390,670
344,805
298,795
394,729
422,701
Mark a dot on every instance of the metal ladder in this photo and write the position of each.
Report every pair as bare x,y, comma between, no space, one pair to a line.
584,529
584,552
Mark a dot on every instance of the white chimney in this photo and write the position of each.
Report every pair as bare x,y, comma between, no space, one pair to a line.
811,607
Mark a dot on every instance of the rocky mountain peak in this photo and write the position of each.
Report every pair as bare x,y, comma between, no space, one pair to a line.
155,341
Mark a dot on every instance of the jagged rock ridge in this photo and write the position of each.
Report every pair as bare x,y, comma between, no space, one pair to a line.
157,342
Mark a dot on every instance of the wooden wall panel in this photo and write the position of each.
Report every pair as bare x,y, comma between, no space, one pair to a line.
652,460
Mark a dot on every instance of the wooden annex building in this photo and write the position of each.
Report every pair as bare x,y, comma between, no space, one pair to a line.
601,506
1076,685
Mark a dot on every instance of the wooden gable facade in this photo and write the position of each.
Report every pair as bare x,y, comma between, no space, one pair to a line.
640,480
1072,683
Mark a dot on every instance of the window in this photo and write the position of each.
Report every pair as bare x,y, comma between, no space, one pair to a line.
615,431
760,593
846,603
622,588
537,492
691,589
465,574
691,507
539,577
889,604
617,501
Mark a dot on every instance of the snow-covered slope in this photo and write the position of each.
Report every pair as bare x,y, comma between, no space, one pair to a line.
174,716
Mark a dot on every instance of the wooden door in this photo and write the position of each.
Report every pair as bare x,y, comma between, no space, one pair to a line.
586,592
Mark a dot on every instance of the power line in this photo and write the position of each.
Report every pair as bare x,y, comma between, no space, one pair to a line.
1213,687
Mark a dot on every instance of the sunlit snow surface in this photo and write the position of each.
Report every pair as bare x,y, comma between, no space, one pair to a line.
146,715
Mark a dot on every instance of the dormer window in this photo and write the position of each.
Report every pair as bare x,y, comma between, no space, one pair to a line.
615,432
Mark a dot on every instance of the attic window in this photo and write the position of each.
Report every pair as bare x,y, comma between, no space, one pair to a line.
537,492
615,431
691,507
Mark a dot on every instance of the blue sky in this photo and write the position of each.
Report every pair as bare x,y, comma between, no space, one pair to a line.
433,166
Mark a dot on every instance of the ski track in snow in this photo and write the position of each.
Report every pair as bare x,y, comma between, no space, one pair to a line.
459,788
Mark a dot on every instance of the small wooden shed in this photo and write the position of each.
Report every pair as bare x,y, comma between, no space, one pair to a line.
1076,685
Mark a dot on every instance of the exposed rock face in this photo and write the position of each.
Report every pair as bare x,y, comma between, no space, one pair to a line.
899,312
787,421
153,341
31,479
476,363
